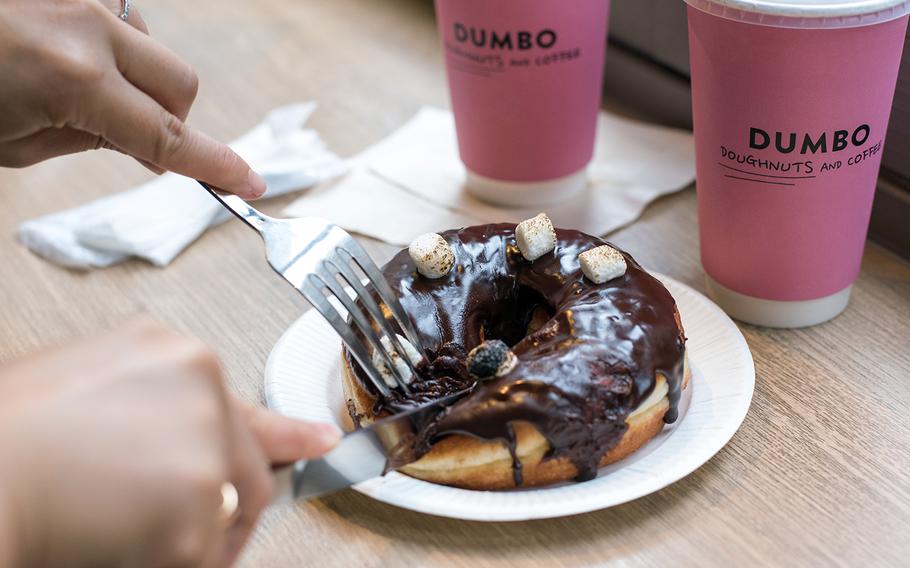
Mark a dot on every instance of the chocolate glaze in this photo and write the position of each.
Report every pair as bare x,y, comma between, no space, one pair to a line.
578,376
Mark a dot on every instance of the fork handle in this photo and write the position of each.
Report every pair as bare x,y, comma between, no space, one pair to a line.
243,210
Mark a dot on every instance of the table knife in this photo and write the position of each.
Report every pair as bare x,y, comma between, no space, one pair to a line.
362,454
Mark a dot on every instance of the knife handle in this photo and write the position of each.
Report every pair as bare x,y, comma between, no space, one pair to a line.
284,481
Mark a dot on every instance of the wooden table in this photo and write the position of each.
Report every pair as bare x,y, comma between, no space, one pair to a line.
818,473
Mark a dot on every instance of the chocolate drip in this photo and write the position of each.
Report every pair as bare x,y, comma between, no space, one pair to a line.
512,443
578,376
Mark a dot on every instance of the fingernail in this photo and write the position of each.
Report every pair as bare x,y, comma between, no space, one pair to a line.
256,185
329,434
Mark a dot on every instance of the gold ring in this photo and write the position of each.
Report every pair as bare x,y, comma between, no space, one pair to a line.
230,504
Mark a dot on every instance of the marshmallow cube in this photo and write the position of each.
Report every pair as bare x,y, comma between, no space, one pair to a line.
535,237
400,365
602,264
432,255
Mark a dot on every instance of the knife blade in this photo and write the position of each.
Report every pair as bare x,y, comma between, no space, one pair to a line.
362,454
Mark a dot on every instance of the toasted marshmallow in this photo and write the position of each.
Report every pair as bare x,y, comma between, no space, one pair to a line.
410,351
536,237
401,365
490,359
602,264
432,255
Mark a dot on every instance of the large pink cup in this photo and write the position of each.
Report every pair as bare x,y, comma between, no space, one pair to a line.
791,100
525,78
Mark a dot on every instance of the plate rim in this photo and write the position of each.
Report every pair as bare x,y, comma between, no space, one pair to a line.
374,488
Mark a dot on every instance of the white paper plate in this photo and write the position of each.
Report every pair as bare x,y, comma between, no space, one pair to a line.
302,379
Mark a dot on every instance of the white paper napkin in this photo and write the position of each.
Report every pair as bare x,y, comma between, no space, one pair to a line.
157,220
413,181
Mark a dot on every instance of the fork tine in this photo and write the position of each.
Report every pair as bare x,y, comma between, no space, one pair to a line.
328,279
363,260
371,306
314,295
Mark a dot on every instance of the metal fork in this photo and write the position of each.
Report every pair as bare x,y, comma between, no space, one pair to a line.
319,259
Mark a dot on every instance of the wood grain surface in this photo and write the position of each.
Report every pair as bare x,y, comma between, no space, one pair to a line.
819,473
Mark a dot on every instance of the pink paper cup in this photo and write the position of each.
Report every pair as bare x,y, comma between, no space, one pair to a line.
525,78
790,100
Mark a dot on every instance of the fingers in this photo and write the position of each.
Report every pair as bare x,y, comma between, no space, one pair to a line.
46,144
195,538
177,89
134,18
155,70
53,142
151,167
260,439
250,474
135,123
284,439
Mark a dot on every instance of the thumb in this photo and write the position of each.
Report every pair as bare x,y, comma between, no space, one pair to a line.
284,439
46,144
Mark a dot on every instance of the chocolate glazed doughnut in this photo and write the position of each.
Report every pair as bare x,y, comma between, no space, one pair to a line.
599,367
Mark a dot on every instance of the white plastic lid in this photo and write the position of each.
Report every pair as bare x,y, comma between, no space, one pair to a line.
806,14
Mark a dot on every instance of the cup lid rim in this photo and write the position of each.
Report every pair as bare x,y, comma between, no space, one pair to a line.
806,13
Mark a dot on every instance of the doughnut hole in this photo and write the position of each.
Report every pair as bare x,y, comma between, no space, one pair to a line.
516,316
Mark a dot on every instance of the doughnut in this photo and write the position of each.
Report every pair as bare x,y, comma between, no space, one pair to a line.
595,370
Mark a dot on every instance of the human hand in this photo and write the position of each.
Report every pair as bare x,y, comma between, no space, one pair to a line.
115,451
76,78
